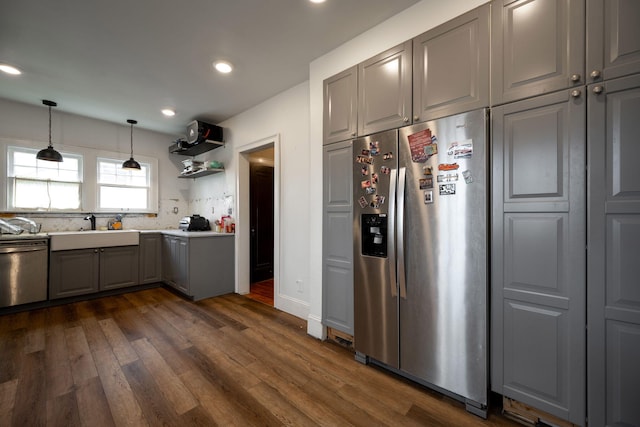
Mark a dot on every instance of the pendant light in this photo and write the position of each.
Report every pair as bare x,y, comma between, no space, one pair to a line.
131,163
49,153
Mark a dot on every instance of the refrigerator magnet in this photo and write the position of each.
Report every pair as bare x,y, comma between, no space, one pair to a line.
365,170
448,166
365,184
428,197
374,149
365,152
467,176
461,150
448,177
447,189
364,160
417,142
427,170
385,170
426,183
376,201
370,190
387,156
363,202
431,149
374,178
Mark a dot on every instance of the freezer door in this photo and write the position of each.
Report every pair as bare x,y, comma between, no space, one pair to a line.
443,320
375,292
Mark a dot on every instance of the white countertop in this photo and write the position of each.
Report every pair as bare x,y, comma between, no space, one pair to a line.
190,234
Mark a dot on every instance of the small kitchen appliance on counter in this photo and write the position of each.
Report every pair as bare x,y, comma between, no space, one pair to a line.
194,223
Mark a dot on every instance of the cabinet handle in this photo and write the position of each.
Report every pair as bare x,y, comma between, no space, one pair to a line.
95,251
598,89
595,74
405,119
353,134
416,118
576,93
575,78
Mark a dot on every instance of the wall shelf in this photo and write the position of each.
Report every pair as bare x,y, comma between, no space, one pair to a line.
200,173
194,150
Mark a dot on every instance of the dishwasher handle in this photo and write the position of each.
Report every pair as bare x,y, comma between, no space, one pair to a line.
13,249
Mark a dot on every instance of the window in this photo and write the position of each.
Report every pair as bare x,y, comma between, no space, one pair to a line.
123,189
34,184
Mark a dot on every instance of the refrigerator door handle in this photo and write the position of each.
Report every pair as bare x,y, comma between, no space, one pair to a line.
400,230
391,239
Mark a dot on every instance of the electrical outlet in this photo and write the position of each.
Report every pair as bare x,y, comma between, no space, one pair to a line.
175,209
299,283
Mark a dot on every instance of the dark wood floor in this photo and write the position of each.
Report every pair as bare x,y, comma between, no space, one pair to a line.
262,291
152,358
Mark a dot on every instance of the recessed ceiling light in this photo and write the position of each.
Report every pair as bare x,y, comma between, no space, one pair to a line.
317,1
168,112
223,67
10,70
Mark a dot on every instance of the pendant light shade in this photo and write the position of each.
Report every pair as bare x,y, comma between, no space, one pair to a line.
49,153
131,163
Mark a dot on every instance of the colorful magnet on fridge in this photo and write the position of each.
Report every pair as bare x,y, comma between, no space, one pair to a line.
428,197
426,183
447,189
431,149
448,177
461,150
365,184
385,170
374,178
363,202
364,160
374,149
467,176
448,166
427,170
387,156
370,190
364,170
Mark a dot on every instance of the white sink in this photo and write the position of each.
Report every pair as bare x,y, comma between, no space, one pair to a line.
65,240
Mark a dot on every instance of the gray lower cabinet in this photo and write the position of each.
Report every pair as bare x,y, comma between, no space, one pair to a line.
538,260
537,47
337,237
614,253
340,105
385,90
85,271
613,39
150,258
451,67
199,267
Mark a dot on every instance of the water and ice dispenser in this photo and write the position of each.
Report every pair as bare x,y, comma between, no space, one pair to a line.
374,235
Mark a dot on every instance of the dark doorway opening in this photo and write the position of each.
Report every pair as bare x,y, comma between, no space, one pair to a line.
261,194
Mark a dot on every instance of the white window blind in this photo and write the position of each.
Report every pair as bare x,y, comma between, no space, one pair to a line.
123,189
42,185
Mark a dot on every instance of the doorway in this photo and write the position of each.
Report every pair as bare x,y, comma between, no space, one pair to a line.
261,186
263,152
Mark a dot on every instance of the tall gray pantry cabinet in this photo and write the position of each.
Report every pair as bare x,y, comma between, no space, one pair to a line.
550,327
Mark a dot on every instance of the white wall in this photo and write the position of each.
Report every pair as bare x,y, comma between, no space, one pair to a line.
30,124
404,26
287,117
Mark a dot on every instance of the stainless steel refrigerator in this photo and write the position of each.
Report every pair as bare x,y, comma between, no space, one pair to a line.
420,254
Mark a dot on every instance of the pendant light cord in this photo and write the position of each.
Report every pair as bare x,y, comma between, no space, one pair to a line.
132,140
50,146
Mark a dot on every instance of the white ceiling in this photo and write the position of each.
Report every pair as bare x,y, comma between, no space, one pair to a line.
121,59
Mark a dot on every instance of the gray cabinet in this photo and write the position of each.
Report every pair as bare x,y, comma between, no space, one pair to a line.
451,67
614,252
340,94
73,272
199,266
384,90
538,240
337,237
613,39
150,266
537,47
85,271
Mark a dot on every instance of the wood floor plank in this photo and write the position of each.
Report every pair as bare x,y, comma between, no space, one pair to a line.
83,366
11,345
171,386
122,402
35,337
59,378
7,398
31,400
279,406
119,344
93,407
63,411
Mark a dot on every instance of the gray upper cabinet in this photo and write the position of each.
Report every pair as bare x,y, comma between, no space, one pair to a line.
614,252
613,39
538,262
384,90
340,106
451,67
337,237
537,47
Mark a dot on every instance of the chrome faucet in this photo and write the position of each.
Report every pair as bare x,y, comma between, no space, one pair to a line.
92,218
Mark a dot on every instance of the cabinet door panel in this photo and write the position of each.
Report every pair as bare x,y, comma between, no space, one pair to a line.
340,106
537,46
384,90
538,243
150,258
118,267
613,38
451,67
73,272
613,253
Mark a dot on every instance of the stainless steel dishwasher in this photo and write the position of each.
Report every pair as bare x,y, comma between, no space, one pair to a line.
23,271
